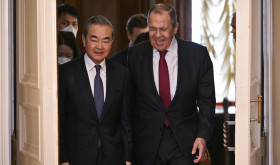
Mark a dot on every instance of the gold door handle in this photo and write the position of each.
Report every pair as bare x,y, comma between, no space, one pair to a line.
259,100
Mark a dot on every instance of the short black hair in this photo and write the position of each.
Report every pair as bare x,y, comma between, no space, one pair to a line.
64,8
136,20
97,20
67,38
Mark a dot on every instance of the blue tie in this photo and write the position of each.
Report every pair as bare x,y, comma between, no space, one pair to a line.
98,92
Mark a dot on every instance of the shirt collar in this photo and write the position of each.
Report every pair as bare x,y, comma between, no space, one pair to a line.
90,64
173,48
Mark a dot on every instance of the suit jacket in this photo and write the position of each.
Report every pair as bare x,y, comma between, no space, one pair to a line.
120,57
80,128
195,88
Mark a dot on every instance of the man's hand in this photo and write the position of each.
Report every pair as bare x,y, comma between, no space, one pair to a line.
66,163
128,163
199,144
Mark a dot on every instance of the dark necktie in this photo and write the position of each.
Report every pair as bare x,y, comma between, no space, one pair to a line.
98,92
164,87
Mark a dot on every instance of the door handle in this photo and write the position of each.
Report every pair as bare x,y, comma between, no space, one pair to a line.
259,100
226,135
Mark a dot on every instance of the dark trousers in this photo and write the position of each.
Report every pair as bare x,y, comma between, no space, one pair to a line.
169,152
101,159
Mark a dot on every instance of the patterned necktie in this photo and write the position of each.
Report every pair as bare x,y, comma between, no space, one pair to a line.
98,92
164,87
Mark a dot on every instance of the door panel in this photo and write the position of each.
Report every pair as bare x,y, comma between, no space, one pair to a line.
255,89
36,82
248,82
28,83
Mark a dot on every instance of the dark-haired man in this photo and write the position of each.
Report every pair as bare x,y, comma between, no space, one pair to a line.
174,96
135,25
94,118
67,19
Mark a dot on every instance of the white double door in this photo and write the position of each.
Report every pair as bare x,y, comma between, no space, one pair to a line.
36,84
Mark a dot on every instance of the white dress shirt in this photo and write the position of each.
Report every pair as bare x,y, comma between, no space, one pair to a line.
172,63
92,72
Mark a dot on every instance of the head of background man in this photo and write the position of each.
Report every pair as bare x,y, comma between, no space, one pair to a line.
67,19
98,36
233,25
163,25
135,25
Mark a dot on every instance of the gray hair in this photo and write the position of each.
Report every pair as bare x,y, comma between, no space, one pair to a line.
158,8
97,20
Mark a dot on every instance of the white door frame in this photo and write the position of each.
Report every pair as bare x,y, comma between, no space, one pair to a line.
242,134
6,80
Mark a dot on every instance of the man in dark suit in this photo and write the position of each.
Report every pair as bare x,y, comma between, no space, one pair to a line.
174,96
94,118
135,25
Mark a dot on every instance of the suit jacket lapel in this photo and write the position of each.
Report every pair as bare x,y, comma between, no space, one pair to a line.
150,74
83,76
183,67
109,85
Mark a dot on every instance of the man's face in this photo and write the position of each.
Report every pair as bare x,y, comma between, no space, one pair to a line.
136,32
98,42
161,31
233,25
65,20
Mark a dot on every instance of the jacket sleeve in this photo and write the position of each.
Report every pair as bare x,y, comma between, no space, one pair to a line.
61,109
126,122
206,97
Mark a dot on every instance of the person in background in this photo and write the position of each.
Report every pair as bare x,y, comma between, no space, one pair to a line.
67,19
66,47
233,25
173,94
141,38
135,25
94,117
